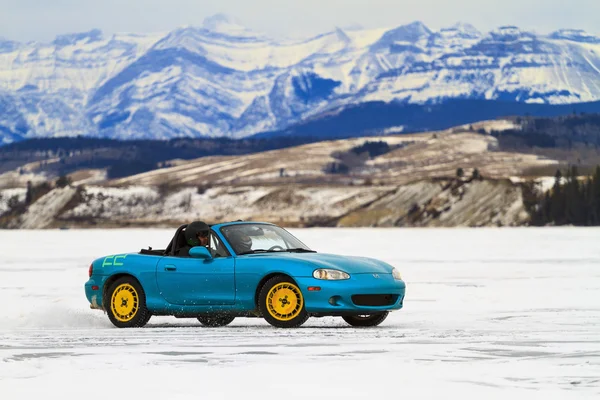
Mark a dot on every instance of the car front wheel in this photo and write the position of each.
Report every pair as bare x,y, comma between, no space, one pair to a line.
281,303
366,320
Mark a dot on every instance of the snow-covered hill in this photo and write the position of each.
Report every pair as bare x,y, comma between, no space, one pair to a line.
222,79
435,203
45,88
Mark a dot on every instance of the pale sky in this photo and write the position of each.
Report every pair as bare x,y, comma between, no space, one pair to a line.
42,20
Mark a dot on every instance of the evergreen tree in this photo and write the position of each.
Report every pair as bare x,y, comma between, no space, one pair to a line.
590,205
570,201
573,199
546,209
63,181
557,208
28,194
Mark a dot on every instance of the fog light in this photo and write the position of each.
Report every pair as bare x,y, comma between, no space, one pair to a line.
334,300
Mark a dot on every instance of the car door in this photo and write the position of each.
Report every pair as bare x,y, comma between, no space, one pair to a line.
193,281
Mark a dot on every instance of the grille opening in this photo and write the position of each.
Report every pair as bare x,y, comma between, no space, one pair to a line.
374,300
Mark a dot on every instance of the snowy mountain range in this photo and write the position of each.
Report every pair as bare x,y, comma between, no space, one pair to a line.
222,79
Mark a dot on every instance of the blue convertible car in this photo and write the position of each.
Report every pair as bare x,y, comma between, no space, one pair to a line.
245,269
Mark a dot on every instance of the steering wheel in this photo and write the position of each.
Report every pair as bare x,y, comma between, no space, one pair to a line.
275,247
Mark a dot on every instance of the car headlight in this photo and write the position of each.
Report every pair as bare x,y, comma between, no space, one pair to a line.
330,274
396,274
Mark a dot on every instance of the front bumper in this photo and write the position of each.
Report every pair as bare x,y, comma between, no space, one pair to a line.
362,293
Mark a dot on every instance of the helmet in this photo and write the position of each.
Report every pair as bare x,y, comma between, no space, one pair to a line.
241,241
192,231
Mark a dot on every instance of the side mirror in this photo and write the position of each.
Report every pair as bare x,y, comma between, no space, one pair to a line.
200,252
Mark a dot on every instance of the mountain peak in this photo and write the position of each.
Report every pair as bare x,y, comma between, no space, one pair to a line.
226,24
6,46
509,33
342,36
466,29
220,18
417,27
73,38
458,36
509,30
576,35
411,33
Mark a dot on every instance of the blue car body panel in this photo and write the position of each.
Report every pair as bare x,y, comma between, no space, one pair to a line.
193,282
192,286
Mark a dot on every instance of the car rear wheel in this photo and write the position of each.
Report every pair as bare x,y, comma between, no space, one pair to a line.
281,303
366,320
125,302
216,320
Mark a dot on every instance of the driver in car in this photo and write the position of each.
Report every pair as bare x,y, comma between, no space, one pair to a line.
196,234
241,242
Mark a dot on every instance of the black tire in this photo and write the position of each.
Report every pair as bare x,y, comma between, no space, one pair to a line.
290,312
214,321
148,316
132,311
366,320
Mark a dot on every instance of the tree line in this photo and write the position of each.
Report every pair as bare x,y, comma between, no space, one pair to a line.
572,200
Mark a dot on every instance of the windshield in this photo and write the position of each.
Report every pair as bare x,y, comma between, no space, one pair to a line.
255,238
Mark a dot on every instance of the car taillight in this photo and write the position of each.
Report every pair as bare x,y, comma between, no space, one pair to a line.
91,270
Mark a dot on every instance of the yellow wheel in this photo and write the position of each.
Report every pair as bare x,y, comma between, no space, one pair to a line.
284,301
281,303
125,303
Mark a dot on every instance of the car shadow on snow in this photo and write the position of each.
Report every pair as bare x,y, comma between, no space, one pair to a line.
266,327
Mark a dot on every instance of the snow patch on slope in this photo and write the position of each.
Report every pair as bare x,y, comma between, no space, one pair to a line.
9,195
41,213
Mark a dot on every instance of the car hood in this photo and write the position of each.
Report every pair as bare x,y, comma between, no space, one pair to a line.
349,264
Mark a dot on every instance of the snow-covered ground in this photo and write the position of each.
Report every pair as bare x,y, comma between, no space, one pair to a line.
495,313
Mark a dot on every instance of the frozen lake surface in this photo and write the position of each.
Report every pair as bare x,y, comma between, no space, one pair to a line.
490,312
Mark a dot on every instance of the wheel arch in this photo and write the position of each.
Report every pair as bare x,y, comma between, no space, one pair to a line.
114,278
